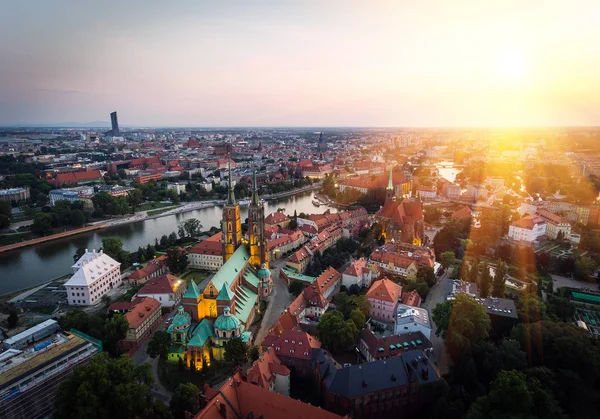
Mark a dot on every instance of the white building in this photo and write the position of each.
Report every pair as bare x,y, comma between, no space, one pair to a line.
94,274
177,187
527,229
412,319
359,273
555,224
208,254
71,194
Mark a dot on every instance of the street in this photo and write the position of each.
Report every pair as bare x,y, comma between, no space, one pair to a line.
436,295
279,301
563,281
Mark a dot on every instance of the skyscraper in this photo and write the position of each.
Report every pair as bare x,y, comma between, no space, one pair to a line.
114,124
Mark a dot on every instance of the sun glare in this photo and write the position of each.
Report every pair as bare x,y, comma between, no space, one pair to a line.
511,65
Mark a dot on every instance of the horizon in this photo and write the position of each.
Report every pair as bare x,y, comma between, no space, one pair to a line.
339,64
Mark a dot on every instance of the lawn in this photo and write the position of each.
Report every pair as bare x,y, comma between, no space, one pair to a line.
159,211
196,276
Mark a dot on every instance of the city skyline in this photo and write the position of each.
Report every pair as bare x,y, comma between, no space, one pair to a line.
302,65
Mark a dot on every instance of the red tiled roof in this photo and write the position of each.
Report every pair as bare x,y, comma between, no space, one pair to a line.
141,310
74,177
210,246
238,399
411,298
385,290
276,217
263,370
464,212
356,267
163,284
299,344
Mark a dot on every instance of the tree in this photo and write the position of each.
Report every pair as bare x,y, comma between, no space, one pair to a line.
172,240
441,317
42,224
358,318
115,329
418,285
585,268
426,274
342,303
336,334
159,345
484,281
192,227
173,196
468,324
13,318
4,221
78,254
41,199
236,351
135,198
499,279
447,259
361,303
296,288
177,259
164,240
108,388
122,173
254,353
514,396
77,218
92,325
6,209
185,399
113,247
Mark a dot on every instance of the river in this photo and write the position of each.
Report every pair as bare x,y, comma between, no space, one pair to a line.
31,266
447,170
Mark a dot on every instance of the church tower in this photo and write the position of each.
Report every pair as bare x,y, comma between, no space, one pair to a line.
389,191
257,239
231,223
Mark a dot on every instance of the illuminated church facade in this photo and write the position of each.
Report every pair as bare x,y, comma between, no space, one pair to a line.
208,318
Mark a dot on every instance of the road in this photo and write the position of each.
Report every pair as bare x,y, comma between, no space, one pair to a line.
436,295
563,281
140,356
279,301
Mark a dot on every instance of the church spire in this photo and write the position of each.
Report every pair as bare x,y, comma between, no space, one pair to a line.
390,185
230,191
255,198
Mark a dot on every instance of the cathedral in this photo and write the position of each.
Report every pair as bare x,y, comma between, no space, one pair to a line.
207,318
401,221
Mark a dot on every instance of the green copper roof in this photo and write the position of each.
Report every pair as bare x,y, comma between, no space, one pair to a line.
255,199
201,333
244,302
181,318
290,273
246,337
224,294
231,268
251,278
192,290
230,191
226,321
263,273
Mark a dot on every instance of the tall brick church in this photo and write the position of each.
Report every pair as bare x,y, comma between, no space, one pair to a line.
226,307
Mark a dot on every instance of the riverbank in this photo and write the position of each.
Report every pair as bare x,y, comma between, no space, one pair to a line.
143,216
39,240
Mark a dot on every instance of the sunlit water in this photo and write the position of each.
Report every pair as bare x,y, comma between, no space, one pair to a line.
31,266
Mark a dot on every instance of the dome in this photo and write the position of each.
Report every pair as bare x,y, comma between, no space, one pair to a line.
226,321
181,318
263,272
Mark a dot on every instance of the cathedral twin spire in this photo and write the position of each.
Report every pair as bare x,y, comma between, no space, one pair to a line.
230,192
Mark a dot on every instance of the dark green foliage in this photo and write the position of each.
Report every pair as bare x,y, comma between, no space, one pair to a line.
177,260
159,344
13,318
42,224
115,329
335,256
108,388
185,399
236,351
336,334
253,353
296,287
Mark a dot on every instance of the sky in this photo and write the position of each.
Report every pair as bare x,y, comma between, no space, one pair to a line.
301,63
